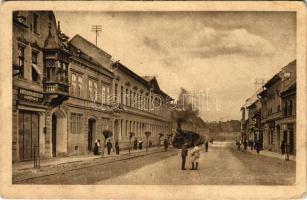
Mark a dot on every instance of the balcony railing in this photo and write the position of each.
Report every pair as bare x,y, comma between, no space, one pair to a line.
56,88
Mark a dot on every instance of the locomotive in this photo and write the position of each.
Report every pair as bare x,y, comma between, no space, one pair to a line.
187,137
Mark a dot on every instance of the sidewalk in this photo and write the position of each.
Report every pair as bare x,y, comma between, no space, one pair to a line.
25,170
272,154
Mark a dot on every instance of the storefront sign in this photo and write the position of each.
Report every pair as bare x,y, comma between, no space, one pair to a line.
29,95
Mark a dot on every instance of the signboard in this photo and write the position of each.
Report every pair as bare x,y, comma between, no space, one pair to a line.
30,95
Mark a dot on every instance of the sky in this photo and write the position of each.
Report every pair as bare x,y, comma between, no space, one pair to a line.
215,55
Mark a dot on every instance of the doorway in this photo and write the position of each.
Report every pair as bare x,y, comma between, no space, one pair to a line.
58,133
54,131
90,135
28,134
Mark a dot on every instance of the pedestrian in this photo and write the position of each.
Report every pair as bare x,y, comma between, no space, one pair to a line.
96,147
99,146
140,144
165,143
109,146
283,148
150,143
237,144
184,154
252,145
135,143
257,145
195,157
245,145
117,147
240,145
206,145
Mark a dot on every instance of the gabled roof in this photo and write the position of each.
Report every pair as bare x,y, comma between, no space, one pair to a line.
79,39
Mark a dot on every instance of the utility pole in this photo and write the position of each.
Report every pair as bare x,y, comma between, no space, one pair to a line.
259,81
96,29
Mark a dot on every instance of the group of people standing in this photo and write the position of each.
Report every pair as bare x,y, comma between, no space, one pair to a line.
195,155
109,145
250,143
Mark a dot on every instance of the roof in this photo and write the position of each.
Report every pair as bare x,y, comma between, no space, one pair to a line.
148,78
145,80
78,38
254,98
273,80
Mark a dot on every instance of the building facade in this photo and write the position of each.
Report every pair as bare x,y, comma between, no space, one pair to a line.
271,118
40,83
67,92
143,107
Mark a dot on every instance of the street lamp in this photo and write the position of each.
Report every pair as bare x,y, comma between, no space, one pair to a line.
106,134
147,133
131,134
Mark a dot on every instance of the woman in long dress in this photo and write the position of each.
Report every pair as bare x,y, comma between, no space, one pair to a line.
195,157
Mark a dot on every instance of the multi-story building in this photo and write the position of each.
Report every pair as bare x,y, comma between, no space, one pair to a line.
66,93
277,98
40,83
288,95
140,103
143,107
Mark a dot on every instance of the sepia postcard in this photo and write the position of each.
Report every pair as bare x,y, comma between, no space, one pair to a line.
153,100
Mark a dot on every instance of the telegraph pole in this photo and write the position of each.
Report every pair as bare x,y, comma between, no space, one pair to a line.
96,29
259,81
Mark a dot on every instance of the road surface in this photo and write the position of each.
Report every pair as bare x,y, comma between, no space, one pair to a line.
222,165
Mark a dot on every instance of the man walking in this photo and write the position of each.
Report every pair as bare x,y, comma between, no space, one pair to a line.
165,143
184,153
117,147
135,143
109,146
206,145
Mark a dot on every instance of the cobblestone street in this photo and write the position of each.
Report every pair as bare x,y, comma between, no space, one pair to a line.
222,165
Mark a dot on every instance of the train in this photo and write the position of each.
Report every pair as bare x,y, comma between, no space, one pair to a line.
189,137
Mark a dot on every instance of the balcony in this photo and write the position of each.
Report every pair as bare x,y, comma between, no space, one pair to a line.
56,93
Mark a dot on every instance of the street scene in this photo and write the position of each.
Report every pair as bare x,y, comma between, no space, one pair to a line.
154,98
221,165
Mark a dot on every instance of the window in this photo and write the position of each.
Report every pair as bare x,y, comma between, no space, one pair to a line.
127,94
115,92
21,60
103,94
130,102
73,83
76,123
34,57
108,94
79,87
95,89
290,107
122,94
35,75
35,23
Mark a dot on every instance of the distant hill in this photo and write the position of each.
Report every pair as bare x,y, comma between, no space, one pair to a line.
225,127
